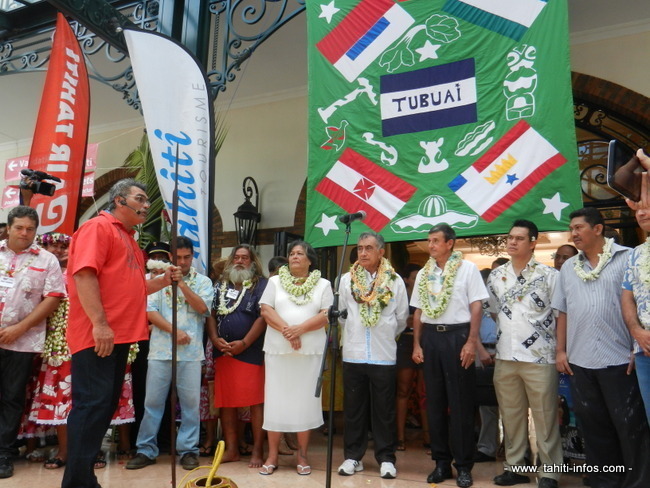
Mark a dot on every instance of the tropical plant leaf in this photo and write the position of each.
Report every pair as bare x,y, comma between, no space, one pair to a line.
442,28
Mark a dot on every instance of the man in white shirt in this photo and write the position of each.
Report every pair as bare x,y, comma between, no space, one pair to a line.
377,308
525,375
447,295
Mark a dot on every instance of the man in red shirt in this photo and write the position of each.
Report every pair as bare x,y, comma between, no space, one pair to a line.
107,313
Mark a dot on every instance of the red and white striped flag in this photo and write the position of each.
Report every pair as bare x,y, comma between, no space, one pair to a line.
356,183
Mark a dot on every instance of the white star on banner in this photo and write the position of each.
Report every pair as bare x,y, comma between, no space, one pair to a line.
428,51
327,224
554,205
327,12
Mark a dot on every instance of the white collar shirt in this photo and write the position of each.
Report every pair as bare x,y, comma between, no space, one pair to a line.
376,344
468,288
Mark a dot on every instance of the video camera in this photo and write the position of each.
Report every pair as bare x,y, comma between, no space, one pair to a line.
33,180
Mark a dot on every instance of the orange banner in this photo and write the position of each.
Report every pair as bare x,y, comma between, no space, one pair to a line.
60,137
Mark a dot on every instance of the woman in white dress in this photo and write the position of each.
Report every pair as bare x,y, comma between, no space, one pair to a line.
294,305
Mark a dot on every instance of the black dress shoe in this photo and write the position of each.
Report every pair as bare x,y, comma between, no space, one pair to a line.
464,479
481,457
508,478
6,467
440,474
547,483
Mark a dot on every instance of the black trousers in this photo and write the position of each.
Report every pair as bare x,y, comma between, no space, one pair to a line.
450,392
96,387
15,369
610,409
369,388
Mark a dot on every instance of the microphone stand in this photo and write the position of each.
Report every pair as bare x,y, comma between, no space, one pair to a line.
333,343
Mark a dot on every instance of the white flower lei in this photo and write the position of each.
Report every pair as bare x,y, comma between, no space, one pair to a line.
305,290
644,263
55,348
180,298
134,349
25,265
221,308
449,277
603,259
373,298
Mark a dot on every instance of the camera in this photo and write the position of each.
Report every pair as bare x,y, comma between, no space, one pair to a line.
33,180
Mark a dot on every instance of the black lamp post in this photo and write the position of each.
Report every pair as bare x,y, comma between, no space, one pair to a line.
247,215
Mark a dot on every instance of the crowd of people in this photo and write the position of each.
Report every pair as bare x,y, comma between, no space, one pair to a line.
252,347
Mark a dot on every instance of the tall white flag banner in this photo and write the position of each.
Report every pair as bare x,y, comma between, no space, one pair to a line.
177,109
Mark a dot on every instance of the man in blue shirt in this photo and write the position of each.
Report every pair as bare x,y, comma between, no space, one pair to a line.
194,298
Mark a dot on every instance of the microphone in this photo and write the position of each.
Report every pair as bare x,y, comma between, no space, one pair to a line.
124,204
38,175
349,218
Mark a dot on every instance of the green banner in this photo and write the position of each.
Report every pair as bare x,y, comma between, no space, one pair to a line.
431,111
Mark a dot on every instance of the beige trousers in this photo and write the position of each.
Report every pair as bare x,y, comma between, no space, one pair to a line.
520,386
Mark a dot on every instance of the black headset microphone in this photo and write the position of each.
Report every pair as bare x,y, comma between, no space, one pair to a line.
123,203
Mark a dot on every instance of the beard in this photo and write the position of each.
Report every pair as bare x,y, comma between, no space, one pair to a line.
238,275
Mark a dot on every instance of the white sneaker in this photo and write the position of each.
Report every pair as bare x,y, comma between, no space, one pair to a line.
387,470
350,466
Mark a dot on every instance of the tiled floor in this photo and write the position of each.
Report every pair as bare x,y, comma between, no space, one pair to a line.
413,466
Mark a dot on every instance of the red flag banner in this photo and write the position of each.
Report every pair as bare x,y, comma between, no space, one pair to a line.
61,133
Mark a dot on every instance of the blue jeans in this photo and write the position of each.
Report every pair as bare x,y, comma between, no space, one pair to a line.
643,375
188,386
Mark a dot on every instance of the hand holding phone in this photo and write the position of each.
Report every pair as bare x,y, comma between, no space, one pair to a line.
625,174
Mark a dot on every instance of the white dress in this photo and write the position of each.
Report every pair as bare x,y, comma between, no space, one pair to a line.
290,404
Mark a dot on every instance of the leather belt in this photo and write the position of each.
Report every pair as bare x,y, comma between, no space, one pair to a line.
447,327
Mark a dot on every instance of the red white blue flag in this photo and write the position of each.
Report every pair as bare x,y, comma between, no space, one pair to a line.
504,174
363,35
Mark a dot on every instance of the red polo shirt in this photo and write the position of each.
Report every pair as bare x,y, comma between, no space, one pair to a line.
105,246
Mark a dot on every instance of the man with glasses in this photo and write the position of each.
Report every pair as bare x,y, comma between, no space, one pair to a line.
525,375
108,297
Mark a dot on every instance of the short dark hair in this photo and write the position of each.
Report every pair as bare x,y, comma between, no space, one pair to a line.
121,189
533,232
591,215
574,250
275,262
311,253
500,261
485,273
22,211
449,233
183,242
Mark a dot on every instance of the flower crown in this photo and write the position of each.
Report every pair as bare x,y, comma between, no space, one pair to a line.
53,238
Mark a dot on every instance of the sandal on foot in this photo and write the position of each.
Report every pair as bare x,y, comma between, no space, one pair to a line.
54,463
206,451
123,455
100,460
303,470
36,456
268,469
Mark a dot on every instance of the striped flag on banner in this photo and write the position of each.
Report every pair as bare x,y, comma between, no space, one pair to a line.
510,18
356,183
363,35
504,174
429,98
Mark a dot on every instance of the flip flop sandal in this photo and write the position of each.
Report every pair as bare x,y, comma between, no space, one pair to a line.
100,460
303,470
54,463
268,469
206,451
